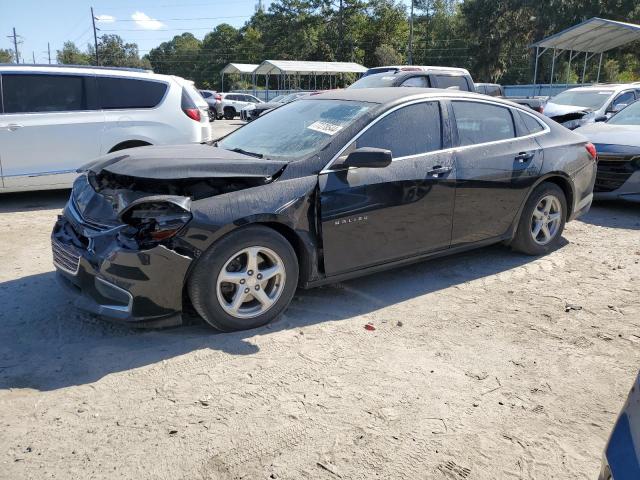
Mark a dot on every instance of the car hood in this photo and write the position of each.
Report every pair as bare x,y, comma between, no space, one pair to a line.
604,133
184,161
555,110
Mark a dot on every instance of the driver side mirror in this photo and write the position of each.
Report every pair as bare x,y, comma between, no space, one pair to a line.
601,118
369,157
616,108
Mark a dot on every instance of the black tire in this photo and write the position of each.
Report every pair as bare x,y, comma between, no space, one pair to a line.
229,113
202,284
523,240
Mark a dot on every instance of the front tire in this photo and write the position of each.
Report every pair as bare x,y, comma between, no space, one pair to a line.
542,221
245,280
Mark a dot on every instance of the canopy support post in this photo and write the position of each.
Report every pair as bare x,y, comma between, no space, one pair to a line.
569,67
222,83
599,65
553,66
535,69
584,68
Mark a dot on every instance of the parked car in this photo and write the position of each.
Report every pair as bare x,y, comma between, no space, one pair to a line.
320,190
231,104
411,68
621,459
53,119
578,106
212,99
253,111
427,77
617,141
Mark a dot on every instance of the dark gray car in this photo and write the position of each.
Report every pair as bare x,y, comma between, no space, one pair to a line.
617,142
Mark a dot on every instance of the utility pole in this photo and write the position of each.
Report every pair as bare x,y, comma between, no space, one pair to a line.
411,35
95,36
340,32
49,52
15,44
33,56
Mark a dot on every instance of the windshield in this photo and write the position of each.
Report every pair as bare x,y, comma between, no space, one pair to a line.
375,81
294,130
593,99
627,116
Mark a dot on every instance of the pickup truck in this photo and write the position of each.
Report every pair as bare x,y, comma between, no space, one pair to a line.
496,90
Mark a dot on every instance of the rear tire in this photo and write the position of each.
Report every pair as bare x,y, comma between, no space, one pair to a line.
245,280
229,113
542,221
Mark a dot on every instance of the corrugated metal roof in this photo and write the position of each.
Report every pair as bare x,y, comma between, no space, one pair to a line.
239,68
595,35
294,66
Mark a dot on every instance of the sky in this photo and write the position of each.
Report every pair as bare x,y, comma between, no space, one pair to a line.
145,22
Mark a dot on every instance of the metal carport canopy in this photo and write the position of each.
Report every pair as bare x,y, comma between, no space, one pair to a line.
595,35
242,68
292,67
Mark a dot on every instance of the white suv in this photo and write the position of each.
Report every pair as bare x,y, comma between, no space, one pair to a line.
231,104
53,119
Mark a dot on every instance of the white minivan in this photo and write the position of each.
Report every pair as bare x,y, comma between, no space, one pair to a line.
54,119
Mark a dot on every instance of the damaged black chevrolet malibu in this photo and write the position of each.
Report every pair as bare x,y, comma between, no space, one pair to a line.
320,190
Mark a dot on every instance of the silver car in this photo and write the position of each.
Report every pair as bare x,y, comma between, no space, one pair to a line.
578,106
231,104
617,142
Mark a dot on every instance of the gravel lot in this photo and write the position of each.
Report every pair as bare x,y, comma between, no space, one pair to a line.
486,365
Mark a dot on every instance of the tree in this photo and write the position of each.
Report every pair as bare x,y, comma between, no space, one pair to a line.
113,52
71,55
179,56
6,56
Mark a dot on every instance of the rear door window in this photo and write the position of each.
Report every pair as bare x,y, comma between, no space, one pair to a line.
410,130
120,93
205,94
482,122
34,93
624,99
451,81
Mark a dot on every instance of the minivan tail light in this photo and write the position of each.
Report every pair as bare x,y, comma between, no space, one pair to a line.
591,148
218,97
189,108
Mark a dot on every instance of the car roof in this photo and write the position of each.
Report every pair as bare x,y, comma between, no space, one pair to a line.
88,69
602,86
392,95
424,68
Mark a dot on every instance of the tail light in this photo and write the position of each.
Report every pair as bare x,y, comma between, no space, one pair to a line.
218,97
188,107
592,150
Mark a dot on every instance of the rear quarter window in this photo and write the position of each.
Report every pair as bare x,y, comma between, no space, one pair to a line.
533,125
120,93
34,93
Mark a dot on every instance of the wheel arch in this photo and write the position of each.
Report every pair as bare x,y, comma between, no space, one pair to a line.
129,144
563,181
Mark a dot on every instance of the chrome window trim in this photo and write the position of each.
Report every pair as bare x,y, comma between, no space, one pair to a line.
546,130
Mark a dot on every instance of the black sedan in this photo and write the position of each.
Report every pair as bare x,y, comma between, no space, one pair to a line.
320,190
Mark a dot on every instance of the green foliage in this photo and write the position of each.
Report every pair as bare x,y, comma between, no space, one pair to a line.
6,56
491,38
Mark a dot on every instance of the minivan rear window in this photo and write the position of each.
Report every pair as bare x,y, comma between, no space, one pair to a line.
33,93
118,93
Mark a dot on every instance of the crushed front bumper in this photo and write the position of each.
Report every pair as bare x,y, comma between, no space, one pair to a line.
107,279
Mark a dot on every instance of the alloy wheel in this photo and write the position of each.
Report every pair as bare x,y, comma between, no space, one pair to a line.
250,282
546,220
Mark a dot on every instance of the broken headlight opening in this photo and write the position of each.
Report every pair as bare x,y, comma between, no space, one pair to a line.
154,220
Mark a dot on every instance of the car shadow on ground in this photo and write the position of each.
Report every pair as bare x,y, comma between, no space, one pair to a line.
614,214
24,201
47,344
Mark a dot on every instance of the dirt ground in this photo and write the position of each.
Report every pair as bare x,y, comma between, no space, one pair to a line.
486,365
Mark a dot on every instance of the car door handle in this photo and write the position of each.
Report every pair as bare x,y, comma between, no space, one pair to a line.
11,127
438,170
524,157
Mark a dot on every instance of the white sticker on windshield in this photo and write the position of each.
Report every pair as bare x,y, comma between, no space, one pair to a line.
604,93
325,127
